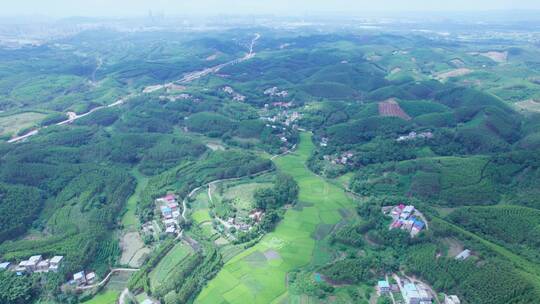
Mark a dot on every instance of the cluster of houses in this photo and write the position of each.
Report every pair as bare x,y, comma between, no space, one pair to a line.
288,118
82,278
240,225
412,292
324,142
342,159
173,98
236,96
170,213
275,92
413,135
35,264
407,218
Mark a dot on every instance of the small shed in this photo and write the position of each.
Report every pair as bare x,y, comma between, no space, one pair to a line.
465,254
5,265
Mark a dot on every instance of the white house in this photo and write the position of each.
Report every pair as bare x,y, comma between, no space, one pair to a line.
451,300
79,278
413,294
465,254
55,263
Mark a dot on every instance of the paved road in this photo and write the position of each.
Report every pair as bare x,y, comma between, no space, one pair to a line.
187,78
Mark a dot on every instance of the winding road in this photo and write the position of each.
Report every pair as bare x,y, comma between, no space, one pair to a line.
189,77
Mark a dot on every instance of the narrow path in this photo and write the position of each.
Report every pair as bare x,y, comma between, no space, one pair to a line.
123,295
391,293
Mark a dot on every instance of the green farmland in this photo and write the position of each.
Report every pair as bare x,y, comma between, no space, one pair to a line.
255,276
173,259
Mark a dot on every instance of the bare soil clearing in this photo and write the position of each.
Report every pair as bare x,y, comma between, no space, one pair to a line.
454,73
391,108
529,105
133,249
499,57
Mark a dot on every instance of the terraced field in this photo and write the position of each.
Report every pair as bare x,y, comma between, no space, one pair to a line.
258,274
161,273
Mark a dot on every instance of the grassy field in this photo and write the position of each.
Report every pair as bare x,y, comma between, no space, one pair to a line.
252,276
201,216
167,264
108,297
242,194
14,123
130,220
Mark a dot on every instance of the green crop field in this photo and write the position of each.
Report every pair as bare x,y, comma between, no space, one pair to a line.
251,277
168,263
108,297
129,218
201,216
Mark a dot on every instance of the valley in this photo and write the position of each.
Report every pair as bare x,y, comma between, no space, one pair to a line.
272,161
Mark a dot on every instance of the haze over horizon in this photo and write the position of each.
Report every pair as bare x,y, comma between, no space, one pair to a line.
127,8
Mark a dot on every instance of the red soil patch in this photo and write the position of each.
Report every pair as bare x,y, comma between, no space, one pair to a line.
391,108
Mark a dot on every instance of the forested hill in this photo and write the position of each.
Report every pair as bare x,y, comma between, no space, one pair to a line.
281,169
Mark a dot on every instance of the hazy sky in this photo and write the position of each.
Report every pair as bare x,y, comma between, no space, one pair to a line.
64,8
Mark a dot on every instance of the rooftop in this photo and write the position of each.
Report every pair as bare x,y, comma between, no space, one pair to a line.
79,275
57,259
383,284
35,258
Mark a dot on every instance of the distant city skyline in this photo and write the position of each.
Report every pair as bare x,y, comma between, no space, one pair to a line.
124,8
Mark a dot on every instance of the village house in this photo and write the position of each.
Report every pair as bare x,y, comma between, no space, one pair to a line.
29,265
169,198
166,212
451,299
43,266
256,215
462,256
415,294
170,212
275,92
282,104
406,218
383,287
5,265
38,264
90,278
79,278
228,90
55,263
413,135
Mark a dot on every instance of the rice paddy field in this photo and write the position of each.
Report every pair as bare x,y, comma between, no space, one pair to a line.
259,274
